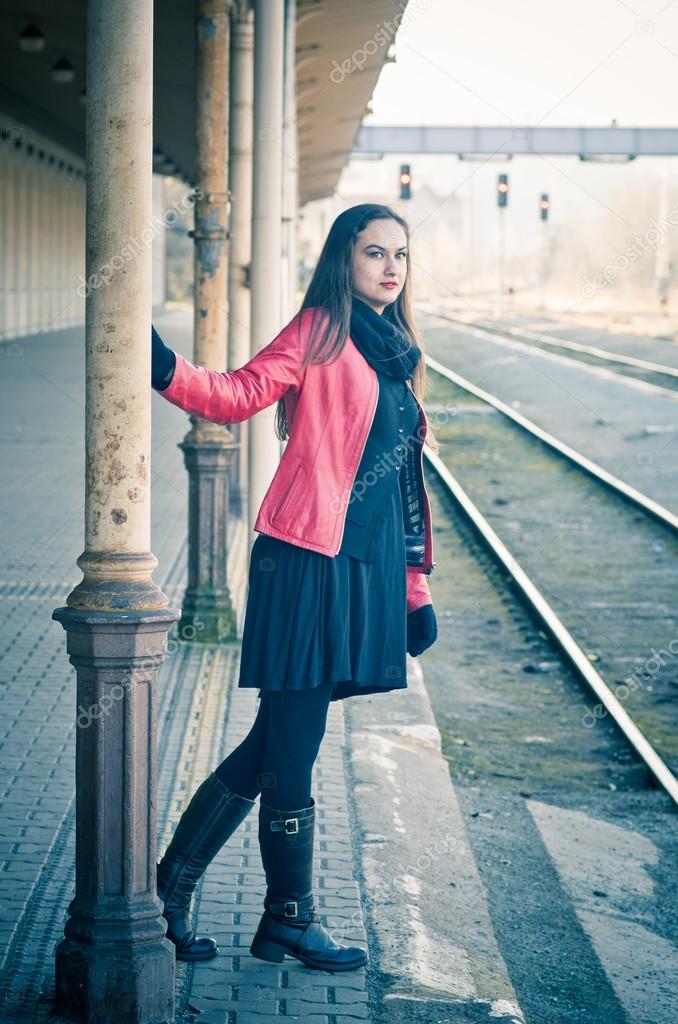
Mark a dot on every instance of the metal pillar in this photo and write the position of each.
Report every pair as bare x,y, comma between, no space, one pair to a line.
208,447
114,965
264,450
501,263
291,162
662,253
240,241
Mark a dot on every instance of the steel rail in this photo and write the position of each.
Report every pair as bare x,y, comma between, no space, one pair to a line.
561,635
524,334
660,512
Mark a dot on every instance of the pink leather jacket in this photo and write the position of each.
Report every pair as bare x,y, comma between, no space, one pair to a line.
330,409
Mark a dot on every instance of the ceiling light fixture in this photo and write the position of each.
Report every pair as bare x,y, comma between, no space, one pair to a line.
31,39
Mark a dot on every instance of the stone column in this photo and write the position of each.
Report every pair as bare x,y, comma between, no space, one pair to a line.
208,447
264,448
5,171
115,965
240,241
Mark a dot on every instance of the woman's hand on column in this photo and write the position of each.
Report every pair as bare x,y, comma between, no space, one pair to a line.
163,362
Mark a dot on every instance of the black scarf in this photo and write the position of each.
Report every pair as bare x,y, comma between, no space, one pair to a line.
385,347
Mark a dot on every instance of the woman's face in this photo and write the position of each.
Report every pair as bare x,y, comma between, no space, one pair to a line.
380,263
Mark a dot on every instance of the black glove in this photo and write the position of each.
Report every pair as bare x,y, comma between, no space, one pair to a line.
422,629
163,362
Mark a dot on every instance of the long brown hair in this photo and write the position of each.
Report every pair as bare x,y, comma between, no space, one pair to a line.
330,291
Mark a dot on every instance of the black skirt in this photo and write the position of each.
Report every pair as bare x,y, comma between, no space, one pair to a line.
311,618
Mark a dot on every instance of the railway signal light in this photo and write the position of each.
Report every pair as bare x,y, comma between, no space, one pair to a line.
544,206
405,182
502,190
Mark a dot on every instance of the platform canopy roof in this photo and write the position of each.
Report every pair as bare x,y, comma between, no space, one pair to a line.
341,47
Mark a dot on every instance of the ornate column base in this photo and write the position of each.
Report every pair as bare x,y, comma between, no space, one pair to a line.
207,607
208,618
114,963
111,977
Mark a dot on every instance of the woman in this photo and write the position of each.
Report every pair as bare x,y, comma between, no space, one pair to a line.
337,577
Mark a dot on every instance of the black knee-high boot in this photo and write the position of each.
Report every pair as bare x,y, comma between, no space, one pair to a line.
211,817
290,923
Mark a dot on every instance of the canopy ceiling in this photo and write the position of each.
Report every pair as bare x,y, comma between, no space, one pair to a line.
341,47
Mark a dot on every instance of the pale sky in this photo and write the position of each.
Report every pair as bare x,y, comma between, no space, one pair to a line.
556,62
516,62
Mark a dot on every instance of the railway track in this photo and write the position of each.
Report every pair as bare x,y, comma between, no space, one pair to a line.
661,377
637,324
592,557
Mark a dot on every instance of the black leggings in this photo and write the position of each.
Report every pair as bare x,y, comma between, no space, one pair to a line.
276,757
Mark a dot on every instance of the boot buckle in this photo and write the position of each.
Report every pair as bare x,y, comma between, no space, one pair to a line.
291,913
278,825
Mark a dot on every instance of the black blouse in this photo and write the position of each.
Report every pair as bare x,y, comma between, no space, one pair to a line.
381,467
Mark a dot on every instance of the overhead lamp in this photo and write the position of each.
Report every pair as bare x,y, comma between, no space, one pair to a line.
485,158
31,39
63,71
607,158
